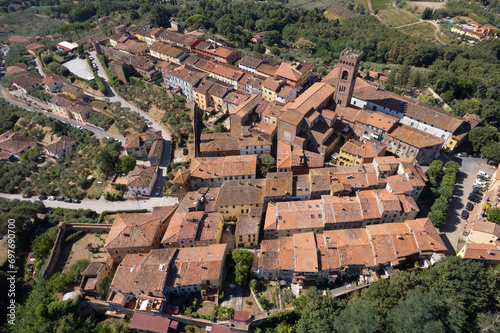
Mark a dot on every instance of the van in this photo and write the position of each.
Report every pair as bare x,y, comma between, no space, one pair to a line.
99,183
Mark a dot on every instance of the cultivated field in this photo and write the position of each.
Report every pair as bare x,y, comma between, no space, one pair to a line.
422,30
397,17
381,4
422,5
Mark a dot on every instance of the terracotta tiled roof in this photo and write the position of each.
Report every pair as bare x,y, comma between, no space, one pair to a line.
241,192
279,184
267,69
293,71
487,227
20,39
186,74
14,142
133,230
51,78
172,51
482,251
251,62
59,144
138,139
312,98
411,108
382,120
413,136
141,176
35,46
226,71
27,80
16,69
217,167
249,223
426,235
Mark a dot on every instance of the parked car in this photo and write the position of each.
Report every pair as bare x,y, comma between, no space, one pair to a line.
469,206
76,201
465,214
482,173
157,192
184,151
60,199
51,198
26,196
462,154
474,198
493,163
68,200
42,197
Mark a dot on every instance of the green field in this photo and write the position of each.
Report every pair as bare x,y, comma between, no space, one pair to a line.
381,4
397,17
423,30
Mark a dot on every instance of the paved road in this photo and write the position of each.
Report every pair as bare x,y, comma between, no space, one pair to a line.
22,103
453,230
101,205
154,125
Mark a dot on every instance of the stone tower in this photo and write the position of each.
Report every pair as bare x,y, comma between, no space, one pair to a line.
348,70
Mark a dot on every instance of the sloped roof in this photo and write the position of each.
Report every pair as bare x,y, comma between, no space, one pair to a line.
133,230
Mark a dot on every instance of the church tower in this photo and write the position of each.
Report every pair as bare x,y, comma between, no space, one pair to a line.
348,70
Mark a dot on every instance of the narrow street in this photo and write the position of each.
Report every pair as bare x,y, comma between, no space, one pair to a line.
101,205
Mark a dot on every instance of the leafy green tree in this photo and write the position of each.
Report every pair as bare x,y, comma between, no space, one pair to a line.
482,136
259,48
197,21
361,317
427,99
266,162
493,214
414,315
127,163
160,16
243,262
317,312
271,38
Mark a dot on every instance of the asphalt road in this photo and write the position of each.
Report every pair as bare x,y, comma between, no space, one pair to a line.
454,228
101,205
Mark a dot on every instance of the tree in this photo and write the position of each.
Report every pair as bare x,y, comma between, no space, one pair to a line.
493,214
427,14
266,162
271,38
160,16
126,163
259,48
243,262
361,317
197,21
491,151
482,136
416,314
404,74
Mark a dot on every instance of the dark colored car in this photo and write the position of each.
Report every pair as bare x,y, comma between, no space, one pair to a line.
68,200
60,199
76,201
42,197
184,151
26,196
469,206
474,198
465,214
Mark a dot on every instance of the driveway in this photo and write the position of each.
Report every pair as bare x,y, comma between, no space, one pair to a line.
21,100
233,297
454,228
101,205
79,67
155,126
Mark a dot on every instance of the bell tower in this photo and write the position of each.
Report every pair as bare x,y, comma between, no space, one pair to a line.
348,70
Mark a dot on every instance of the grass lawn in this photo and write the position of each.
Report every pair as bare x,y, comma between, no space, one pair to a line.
423,30
397,17
249,303
381,4
78,250
96,190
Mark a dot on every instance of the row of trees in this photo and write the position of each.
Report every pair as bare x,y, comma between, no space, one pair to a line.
442,185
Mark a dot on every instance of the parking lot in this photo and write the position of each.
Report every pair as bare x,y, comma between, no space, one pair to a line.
79,68
454,228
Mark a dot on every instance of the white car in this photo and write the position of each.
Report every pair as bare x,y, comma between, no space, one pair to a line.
52,198
462,154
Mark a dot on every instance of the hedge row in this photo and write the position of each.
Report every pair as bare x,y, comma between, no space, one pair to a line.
439,210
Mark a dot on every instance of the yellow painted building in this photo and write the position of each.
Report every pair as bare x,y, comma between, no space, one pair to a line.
248,228
60,106
345,158
72,91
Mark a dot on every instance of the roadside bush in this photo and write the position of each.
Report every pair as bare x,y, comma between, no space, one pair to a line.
439,209
100,85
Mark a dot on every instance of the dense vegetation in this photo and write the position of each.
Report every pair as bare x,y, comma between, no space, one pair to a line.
454,295
67,176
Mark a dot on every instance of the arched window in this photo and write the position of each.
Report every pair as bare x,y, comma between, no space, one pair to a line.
345,75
